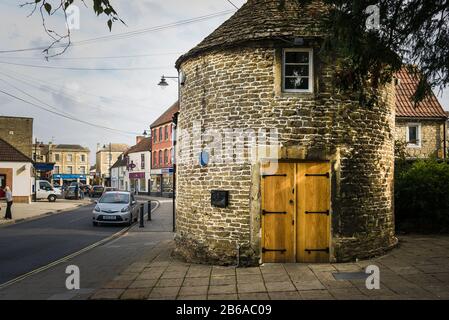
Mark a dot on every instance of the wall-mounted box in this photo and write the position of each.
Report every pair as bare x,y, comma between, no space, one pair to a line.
219,198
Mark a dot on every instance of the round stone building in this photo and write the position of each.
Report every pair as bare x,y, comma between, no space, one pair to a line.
274,164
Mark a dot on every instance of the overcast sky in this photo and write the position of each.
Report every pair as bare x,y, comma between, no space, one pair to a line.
126,100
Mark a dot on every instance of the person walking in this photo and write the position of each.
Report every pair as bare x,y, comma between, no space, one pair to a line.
8,196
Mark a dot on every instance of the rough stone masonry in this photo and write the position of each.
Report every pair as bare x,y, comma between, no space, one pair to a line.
233,80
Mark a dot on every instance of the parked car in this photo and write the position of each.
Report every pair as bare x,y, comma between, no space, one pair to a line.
96,191
70,193
44,190
116,207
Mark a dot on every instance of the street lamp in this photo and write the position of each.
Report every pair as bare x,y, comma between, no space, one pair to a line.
163,84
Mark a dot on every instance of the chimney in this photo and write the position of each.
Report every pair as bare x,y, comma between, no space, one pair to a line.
139,139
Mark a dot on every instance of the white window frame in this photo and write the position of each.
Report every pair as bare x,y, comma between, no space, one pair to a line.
407,135
310,51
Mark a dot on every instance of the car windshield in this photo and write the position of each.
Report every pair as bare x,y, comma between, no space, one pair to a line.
120,198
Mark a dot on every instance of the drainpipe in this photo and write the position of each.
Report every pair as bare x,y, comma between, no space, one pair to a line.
445,139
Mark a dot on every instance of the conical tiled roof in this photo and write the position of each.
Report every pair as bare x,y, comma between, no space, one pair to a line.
265,19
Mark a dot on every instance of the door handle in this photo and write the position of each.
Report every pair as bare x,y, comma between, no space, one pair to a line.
292,202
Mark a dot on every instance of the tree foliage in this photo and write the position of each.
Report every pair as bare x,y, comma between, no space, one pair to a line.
51,7
414,33
421,196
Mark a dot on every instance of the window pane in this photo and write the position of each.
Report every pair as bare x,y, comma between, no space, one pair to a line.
296,83
297,71
297,57
413,134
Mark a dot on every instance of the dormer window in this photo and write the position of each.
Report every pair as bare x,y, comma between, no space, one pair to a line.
297,70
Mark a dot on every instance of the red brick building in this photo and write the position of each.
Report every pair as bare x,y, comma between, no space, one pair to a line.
162,153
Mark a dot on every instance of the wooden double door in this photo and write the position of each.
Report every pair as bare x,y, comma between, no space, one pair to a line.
295,212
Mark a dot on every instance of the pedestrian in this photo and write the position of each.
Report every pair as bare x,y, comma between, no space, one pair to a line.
8,196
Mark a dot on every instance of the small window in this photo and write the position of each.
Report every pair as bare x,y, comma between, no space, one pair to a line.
160,158
413,137
69,158
56,157
83,158
142,161
154,135
297,66
160,134
56,170
70,170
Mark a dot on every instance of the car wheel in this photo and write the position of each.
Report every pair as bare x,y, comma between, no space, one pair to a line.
52,198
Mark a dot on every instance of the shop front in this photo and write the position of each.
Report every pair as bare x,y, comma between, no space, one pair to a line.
67,179
161,183
138,182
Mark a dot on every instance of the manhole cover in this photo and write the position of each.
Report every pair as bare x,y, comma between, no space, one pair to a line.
350,275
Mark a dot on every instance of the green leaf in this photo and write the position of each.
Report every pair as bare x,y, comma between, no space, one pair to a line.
47,7
110,24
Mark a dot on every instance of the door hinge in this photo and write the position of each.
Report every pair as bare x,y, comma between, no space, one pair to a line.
273,175
273,212
318,212
327,175
309,251
274,250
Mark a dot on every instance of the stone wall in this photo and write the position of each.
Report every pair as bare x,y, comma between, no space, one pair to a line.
241,88
432,136
18,132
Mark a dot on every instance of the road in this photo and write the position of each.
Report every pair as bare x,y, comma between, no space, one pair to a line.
29,245
97,266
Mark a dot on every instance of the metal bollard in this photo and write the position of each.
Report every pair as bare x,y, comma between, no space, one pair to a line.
142,209
149,210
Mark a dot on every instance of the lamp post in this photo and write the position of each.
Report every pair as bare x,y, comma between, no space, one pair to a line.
163,83
110,158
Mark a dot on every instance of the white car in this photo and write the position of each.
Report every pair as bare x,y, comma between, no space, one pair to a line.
116,207
44,190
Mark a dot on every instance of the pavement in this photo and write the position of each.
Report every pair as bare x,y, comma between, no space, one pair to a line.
24,211
139,265
418,270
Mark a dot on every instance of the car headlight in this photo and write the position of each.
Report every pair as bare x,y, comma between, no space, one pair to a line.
97,209
125,209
